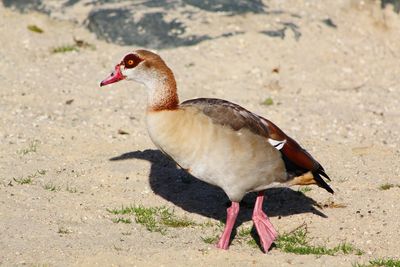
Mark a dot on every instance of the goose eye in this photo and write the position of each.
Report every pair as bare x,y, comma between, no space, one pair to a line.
131,60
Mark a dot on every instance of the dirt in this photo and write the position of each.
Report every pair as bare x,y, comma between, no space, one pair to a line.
334,88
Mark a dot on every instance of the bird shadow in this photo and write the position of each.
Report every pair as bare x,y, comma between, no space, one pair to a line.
192,195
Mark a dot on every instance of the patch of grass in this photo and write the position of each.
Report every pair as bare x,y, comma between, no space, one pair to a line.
147,218
51,187
123,210
32,147
359,252
155,219
34,28
304,189
73,47
209,223
29,179
63,230
210,239
252,243
244,232
64,49
168,218
387,262
122,220
22,180
297,242
267,102
387,186
244,236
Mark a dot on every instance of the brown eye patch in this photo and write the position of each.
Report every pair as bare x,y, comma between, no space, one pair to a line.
131,61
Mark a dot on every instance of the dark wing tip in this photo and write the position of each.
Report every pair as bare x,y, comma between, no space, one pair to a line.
322,172
322,183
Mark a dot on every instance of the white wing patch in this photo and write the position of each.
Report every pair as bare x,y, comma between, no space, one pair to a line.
277,144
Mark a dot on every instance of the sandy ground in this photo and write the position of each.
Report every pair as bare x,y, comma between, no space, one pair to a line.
336,91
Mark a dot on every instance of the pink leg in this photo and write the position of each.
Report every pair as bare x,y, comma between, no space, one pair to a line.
232,212
265,229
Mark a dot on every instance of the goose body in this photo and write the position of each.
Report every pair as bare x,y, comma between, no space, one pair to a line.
237,161
219,142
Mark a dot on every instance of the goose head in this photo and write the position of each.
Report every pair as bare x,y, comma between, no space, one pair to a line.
141,66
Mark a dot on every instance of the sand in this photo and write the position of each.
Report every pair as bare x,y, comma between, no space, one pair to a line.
334,89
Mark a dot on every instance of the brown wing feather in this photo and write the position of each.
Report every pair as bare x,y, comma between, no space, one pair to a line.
226,113
292,150
297,160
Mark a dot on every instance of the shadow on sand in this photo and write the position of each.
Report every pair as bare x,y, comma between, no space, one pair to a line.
193,195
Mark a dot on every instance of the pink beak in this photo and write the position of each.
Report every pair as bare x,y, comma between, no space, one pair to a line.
114,77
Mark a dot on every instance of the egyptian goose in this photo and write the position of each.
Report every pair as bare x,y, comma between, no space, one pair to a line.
219,142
